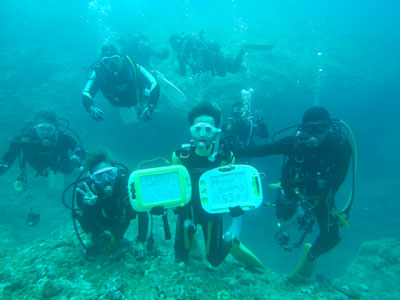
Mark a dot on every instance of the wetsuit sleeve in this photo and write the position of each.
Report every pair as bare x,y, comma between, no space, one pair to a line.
230,160
265,150
260,129
12,152
175,159
90,91
152,89
89,216
143,226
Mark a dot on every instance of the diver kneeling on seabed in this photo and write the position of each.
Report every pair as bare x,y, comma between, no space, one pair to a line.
316,161
211,196
102,205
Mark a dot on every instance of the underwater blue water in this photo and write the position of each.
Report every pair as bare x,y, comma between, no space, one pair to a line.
343,55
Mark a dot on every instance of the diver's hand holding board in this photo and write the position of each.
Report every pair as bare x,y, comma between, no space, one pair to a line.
224,188
221,189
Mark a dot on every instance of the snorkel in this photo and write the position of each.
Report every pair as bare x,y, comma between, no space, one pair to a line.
103,179
205,134
205,122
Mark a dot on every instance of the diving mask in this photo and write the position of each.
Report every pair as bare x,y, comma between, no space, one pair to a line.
315,128
109,173
108,60
203,130
45,130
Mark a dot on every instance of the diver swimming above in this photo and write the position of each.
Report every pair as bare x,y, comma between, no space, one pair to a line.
46,145
123,83
139,47
317,159
204,55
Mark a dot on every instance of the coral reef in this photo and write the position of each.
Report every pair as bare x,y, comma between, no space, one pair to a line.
56,268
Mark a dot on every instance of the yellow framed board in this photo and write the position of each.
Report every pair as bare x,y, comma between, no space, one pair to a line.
167,187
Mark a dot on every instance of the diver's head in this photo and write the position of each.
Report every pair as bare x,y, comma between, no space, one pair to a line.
101,171
238,110
110,57
315,125
45,125
204,121
176,41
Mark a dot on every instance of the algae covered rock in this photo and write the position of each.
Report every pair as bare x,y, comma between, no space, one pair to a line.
375,272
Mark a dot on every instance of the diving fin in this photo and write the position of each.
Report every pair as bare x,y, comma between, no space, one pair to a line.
305,266
245,256
254,46
128,115
171,91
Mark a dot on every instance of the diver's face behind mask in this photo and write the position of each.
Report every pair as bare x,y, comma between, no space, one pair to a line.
204,132
46,132
104,176
315,132
238,112
112,63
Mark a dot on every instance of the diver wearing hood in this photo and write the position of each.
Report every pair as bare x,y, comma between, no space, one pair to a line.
317,161
204,153
105,209
44,145
122,82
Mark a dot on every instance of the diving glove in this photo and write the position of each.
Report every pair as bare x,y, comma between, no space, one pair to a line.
146,112
96,113
89,198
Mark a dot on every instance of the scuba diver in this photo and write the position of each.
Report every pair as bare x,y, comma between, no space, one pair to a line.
316,164
203,55
103,209
239,132
45,145
241,128
138,46
123,82
204,153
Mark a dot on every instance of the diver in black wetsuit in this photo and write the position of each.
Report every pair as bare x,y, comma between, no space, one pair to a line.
317,162
203,154
240,130
202,55
45,145
105,211
122,82
141,50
